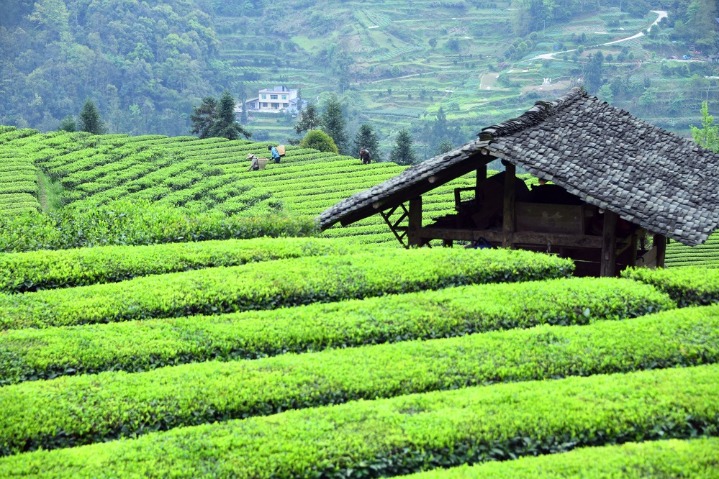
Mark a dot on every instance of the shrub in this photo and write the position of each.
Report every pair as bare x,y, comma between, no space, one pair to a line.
319,140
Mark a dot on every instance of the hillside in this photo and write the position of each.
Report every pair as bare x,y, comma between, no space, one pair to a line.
480,61
164,312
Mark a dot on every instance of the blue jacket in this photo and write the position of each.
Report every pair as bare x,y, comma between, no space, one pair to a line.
275,154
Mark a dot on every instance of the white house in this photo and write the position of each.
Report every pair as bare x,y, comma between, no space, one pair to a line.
276,99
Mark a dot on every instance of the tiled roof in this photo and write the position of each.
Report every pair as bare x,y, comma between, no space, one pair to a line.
606,157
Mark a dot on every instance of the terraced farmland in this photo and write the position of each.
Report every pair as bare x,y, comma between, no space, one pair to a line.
342,356
382,383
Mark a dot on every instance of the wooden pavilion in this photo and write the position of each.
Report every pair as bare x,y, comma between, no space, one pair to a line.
615,181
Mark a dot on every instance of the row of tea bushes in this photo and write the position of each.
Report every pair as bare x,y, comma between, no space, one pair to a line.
139,223
408,433
275,284
695,285
41,414
31,354
674,458
30,271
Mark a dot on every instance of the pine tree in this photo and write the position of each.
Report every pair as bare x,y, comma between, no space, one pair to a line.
333,123
366,138
225,125
402,153
90,119
203,117
217,119
309,120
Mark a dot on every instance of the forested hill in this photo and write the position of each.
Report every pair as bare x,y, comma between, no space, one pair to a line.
393,63
143,62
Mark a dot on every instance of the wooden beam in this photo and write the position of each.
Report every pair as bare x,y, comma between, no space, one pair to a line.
519,237
660,243
609,245
508,217
633,249
415,221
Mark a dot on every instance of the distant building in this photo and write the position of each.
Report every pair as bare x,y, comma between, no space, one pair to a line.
274,100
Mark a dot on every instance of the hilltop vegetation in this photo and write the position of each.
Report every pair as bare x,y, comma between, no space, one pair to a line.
147,66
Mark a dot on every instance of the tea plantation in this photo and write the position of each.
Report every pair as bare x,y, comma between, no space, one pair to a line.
166,313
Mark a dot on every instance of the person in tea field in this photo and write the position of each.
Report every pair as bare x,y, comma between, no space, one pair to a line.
275,154
365,156
254,164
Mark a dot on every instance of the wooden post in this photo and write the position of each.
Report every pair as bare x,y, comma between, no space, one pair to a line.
481,177
660,243
415,221
509,204
633,249
609,245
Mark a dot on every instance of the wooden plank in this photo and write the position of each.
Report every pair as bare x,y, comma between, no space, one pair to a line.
549,218
519,237
508,216
415,221
609,245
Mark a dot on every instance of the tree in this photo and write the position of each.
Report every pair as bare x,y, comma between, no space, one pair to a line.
445,147
593,73
333,123
402,153
708,135
90,119
366,138
203,117
319,140
217,119
225,125
309,119
68,124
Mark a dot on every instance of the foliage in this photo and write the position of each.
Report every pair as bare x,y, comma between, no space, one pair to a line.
687,286
276,284
160,399
708,135
688,458
31,271
403,153
68,124
333,123
319,140
144,63
367,138
450,312
137,223
90,121
203,117
593,72
217,119
410,433
309,119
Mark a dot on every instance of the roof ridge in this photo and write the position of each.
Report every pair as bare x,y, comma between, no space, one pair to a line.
535,115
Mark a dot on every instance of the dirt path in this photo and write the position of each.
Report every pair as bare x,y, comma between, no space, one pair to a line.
42,192
661,15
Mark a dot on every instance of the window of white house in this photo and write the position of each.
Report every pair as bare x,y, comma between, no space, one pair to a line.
264,105
264,97
275,105
273,97
284,97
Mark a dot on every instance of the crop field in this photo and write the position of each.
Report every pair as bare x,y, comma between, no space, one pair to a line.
335,356
401,68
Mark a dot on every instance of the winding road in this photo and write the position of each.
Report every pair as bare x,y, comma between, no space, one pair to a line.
661,15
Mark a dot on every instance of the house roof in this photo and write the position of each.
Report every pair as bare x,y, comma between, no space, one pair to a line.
605,156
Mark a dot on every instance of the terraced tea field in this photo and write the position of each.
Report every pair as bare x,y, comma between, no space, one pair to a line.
342,356
311,360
